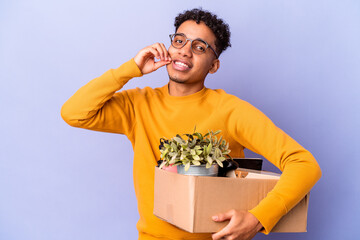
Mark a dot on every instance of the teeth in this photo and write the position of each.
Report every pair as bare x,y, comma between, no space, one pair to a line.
181,64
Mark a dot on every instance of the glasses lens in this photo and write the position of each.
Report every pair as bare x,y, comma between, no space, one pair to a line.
198,46
178,41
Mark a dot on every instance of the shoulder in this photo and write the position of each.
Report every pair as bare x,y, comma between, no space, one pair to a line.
143,93
232,105
227,99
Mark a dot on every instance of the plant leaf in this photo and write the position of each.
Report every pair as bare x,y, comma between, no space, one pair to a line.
217,152
198,152
162,164
163,154
209,160
205,150
227,152
199,135
193,142
219,163
178,140
173,159
196,162
208,165
190,136
217,132
187,166
209,148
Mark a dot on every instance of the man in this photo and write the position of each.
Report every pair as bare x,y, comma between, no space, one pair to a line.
146,115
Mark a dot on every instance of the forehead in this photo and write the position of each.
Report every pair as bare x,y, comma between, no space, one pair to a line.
195,30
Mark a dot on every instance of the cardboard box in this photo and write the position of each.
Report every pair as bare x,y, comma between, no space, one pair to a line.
189,202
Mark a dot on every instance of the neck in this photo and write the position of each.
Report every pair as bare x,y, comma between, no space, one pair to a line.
182,89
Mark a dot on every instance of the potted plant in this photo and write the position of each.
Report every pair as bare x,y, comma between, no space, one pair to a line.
196,154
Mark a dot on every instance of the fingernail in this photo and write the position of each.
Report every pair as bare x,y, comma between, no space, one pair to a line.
215,218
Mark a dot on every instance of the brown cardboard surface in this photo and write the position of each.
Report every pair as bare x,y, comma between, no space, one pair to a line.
174,198
189,201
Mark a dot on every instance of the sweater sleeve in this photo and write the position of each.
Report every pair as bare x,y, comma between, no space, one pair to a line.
300,171
96,106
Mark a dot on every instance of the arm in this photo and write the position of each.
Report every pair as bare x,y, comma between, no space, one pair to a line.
96,106
300,171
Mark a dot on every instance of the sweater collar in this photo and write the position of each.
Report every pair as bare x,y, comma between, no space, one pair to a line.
188,98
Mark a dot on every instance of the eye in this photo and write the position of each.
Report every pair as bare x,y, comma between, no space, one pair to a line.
200,48
178,41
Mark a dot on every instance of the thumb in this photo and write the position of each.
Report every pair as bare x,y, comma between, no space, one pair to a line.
161,63
223,216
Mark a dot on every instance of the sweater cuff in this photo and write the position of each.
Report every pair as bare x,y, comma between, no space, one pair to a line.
126,71
269,211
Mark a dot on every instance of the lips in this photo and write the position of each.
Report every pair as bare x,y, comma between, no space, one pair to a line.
181,65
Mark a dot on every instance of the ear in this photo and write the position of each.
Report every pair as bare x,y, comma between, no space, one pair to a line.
214,66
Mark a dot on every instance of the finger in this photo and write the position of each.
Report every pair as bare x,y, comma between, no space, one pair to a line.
159,64
158,47
155,52
163,49
167,55
219,235
227,229
223,216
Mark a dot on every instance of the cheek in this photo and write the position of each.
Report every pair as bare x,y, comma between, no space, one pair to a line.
171,51
205,66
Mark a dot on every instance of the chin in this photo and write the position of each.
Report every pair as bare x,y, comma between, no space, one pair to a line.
174,75
177,80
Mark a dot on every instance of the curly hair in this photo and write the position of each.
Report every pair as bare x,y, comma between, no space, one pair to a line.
217,25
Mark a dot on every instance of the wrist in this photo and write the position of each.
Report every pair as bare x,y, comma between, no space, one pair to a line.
259,227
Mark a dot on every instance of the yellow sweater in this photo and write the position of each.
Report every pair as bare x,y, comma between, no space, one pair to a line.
146,115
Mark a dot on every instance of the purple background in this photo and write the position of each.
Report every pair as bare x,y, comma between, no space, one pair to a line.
297,61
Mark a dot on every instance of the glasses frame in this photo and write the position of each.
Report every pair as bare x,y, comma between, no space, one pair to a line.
191,41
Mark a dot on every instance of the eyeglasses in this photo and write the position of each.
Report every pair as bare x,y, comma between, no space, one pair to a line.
198,46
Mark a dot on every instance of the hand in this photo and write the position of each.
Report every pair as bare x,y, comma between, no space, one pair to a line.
242,226
145,58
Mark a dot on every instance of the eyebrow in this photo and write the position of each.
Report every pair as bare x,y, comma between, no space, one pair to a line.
194,38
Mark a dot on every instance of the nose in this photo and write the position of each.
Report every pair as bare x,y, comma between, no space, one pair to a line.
186,49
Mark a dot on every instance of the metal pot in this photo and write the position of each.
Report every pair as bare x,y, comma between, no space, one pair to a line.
199,170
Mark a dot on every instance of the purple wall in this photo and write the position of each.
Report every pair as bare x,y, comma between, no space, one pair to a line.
297,61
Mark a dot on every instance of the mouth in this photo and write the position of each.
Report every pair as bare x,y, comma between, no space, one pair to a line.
181,65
